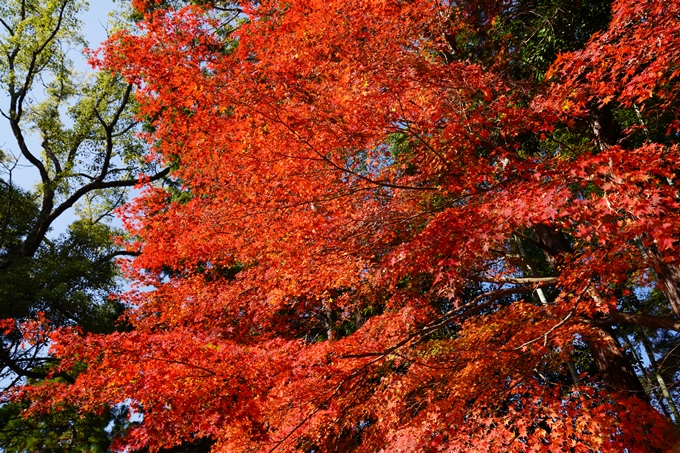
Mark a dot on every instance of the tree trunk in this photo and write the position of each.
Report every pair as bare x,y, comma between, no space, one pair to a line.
659,378
612,364
607,134
668,274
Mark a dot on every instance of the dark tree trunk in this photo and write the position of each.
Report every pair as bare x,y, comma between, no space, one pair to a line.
612,363
607,134
605,128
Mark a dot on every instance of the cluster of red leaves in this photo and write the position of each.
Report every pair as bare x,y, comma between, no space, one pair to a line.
331,167
634,60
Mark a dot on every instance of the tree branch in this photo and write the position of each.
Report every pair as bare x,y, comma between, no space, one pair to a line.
6,360
538,244
33,241
469,309
515,281
639,319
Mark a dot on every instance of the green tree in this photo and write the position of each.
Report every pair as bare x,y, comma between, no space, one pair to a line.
78,132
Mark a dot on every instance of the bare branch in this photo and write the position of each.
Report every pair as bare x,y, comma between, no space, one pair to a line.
515,281
545,335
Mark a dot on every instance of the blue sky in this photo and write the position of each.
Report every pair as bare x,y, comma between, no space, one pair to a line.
95,20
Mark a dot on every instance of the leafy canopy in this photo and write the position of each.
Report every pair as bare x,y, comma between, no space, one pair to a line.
397,226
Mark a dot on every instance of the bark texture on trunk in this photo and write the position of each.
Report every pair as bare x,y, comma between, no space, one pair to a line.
613,364
610,360
607,134
668,274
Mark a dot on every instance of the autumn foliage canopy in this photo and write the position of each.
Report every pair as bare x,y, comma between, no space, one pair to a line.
393,226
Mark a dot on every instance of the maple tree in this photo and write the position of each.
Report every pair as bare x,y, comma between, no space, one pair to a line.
391,227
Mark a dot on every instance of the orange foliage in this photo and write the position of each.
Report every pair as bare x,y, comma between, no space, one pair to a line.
333,267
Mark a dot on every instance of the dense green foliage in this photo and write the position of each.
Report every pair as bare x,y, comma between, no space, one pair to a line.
77,132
